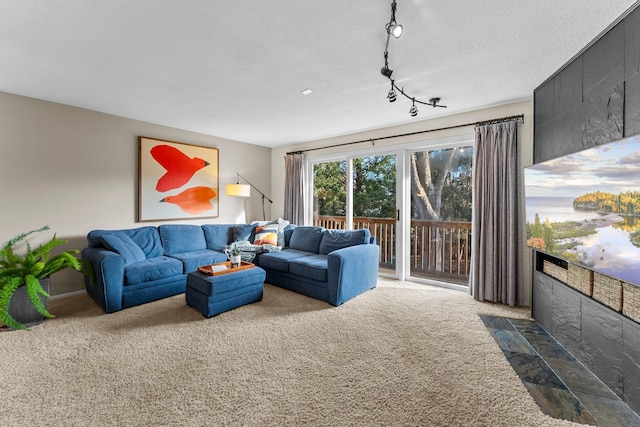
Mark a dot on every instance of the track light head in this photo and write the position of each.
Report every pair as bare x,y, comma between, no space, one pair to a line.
386,71
395,29
413,110
391,96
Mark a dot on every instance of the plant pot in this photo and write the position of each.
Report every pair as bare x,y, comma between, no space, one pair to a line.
21,308
235,260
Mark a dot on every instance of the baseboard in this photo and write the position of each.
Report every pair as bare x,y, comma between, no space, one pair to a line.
69,294
452,286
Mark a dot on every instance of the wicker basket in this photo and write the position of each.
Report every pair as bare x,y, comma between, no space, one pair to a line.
580,279
555,271
608,291
631,298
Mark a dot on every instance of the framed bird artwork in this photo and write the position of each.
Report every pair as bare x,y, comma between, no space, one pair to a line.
176,180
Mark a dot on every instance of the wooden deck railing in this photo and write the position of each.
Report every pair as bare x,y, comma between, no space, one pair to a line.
439,249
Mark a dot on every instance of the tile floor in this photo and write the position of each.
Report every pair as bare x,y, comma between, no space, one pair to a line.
562,386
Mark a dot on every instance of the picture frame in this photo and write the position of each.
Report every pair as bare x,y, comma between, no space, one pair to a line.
176,180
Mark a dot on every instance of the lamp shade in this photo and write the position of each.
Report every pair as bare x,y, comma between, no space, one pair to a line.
238,190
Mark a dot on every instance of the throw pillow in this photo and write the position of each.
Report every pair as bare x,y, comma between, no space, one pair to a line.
266,235
281,223
123,245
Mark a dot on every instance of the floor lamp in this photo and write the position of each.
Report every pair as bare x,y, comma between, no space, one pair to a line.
244,190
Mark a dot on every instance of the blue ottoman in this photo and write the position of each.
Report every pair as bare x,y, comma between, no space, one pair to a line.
212,295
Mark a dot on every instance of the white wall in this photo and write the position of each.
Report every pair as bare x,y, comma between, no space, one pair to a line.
76,170
523,107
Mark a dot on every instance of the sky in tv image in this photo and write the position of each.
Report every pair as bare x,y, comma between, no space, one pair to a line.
585,208
612,168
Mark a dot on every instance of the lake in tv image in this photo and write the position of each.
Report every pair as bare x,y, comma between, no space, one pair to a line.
585,208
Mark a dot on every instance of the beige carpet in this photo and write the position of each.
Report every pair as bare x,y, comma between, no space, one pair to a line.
401,354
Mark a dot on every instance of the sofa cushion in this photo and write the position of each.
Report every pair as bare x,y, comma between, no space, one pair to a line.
288,231
242,232
152,269
147,238
181,238
312,267
192,260
123,245
279,261
332,240
306,239
217,236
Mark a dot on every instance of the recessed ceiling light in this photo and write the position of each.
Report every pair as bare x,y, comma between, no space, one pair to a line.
306,91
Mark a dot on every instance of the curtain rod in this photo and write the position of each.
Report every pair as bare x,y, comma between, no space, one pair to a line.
372,140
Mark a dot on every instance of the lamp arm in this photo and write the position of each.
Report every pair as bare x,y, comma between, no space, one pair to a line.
255,188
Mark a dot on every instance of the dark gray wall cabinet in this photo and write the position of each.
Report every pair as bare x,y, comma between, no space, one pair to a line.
593,100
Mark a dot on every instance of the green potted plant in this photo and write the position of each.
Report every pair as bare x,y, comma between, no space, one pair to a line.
235,255
28,271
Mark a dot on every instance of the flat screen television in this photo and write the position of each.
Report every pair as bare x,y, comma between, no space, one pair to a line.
585,208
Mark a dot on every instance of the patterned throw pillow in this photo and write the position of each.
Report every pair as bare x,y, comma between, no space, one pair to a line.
266,235
280,223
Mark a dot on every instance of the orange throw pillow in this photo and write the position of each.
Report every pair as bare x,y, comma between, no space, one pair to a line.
266,236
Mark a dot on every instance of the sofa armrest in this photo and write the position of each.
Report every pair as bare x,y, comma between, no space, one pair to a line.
352,271
108,275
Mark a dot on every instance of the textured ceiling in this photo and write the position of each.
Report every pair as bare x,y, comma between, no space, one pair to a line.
235,69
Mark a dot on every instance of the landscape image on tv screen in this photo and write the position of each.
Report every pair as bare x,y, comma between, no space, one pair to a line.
585,208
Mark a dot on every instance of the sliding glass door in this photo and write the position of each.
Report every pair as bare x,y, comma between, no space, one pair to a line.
330,194
374,204
440,232
416,202
366,200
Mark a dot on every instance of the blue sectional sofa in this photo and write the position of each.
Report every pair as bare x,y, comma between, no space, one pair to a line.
330,265
139,265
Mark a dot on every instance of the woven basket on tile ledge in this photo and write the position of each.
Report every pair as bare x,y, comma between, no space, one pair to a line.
580,279
608,291
631,298
555,271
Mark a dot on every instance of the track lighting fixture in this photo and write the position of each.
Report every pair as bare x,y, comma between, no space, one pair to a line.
394,29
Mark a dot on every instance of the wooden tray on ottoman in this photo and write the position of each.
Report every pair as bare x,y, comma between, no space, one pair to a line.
207,269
